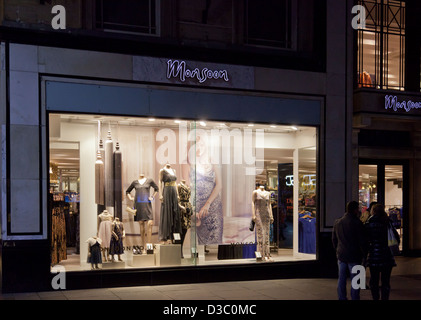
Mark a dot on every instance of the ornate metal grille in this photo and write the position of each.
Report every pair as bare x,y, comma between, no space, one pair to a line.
381,45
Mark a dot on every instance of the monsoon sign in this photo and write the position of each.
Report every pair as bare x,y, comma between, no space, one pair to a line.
178,69
392,102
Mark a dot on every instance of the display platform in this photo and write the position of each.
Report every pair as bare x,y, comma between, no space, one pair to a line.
167,255
142,260
113,265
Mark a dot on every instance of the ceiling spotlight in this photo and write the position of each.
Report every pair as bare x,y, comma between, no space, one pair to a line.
294,128
202,123
177,121
251,125
151,119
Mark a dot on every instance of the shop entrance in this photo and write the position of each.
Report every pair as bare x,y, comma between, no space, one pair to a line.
386,182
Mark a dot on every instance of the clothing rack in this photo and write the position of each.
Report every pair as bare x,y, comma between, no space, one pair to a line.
395,214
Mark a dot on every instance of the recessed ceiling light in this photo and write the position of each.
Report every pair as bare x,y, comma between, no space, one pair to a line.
151,119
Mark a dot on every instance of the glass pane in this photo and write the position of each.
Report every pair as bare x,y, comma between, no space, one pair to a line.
307,200
126,16
367,59
394,69
268,23
394,195
367,186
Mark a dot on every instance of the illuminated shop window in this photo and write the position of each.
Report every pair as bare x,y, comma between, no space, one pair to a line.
131,192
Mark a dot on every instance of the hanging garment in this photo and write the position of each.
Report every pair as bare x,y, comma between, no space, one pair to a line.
307,235
184,193
94,256
263,217
210,230
58,235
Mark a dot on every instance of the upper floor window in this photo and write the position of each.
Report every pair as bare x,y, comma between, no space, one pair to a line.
128,16
381,45
205,20
269,23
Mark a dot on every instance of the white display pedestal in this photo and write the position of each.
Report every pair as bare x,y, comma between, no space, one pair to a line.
200,249
142,260
167,255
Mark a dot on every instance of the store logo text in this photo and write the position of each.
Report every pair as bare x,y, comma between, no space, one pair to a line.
391,102
178,69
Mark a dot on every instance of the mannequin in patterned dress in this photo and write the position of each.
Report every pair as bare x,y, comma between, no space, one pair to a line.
262,216
184,193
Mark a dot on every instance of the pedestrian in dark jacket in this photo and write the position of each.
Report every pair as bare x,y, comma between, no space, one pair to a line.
380,258
350,243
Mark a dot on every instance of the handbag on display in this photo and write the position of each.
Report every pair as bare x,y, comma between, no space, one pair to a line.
252,223
392,239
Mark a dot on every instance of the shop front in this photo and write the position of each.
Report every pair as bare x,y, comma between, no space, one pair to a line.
386,129
173,178
158,171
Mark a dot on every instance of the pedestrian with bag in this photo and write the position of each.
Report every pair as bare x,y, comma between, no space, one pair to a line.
350,243
380,258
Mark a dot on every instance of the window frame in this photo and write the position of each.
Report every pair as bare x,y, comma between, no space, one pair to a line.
292,25
151,28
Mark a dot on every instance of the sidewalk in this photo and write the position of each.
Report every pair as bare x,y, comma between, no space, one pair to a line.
405,283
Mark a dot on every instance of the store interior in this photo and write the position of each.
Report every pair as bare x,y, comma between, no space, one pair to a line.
247,156
393,195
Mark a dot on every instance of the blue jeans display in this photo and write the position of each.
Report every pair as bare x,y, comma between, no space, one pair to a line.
345,271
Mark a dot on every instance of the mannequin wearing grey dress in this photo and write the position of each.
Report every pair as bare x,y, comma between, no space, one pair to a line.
170,221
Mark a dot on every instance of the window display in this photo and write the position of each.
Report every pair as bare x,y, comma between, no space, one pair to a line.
191,192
